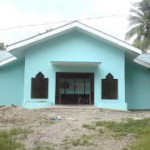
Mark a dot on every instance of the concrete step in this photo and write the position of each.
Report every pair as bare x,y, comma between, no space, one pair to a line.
73,108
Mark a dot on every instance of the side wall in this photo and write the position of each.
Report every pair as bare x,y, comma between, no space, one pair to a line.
137,86
11,84
78,47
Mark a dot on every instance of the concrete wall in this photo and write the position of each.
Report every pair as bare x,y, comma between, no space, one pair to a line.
137,86
12,83
75,46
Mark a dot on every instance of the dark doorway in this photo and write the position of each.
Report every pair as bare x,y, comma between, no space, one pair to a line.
75,88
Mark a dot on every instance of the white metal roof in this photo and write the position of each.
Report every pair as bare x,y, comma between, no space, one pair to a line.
6,57
143,60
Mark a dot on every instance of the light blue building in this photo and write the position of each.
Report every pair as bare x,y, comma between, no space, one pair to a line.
74,64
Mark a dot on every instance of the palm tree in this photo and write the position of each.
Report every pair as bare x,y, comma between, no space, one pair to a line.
139,22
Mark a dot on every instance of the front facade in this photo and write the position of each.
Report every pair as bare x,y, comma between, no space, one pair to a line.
75,66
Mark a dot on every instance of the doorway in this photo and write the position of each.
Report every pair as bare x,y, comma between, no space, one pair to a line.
75,88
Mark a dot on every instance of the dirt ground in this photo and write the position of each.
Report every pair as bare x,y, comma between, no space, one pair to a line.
69,127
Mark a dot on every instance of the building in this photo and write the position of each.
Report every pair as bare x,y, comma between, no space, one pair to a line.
74,64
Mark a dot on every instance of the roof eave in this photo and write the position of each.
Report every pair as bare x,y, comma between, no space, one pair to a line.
7,61
70,26
140,62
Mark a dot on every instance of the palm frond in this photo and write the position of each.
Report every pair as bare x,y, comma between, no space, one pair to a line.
133,20
139,23
136,12
134,31
143,45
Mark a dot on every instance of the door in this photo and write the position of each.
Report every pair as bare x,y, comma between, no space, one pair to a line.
74,88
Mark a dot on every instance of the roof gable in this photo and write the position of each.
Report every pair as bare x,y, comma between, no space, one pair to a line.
67,28
24,44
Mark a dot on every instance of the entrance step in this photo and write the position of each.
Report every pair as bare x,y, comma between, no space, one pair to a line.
72,108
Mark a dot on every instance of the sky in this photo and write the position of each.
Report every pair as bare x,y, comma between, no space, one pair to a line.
21,19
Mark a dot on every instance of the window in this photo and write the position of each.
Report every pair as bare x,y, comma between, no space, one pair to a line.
39,87
109,87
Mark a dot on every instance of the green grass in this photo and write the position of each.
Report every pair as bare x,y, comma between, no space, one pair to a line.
139,128
10,139
83,140
90,127
40,147
43,146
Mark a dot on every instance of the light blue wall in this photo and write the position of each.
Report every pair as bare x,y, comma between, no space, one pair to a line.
137,86
75,46
12,83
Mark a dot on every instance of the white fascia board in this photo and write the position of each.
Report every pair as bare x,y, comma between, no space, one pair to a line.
140,62
8,60
80,26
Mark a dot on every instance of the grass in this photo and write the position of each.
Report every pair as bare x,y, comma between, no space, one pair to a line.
83,140
11,139
139,128
43,146
90,127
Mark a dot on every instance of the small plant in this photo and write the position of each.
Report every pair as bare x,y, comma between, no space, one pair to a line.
66,142
43,146
90,127
83,140
9,139
101,131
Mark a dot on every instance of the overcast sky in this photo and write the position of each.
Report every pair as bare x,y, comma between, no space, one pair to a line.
15,13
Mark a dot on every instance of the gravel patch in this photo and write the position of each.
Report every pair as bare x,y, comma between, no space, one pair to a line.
44,130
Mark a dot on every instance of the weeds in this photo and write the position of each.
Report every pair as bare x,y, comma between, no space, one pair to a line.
43,146
139,128
83,140
90,127
9,139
